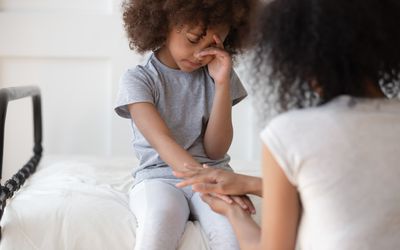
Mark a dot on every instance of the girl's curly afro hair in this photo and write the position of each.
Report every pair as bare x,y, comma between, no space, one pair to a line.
337,44
147,22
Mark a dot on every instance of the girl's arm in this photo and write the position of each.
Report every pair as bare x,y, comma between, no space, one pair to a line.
280,212
156,132
219,132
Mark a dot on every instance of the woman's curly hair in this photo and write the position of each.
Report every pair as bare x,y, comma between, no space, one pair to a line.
147,22
337,44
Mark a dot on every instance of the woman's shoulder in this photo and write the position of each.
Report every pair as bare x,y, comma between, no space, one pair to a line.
295,117
313,114
301,122
337,112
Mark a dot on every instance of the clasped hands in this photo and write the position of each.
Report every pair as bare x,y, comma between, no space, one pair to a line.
220,189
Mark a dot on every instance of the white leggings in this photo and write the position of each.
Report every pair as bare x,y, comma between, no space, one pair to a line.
162,210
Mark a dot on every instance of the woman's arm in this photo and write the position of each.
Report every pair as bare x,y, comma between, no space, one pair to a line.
281,206
212,180
156,132
246,229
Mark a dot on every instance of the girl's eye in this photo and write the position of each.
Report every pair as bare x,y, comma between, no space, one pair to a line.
193,41
192,38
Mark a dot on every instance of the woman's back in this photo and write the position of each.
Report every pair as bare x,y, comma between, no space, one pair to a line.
343,157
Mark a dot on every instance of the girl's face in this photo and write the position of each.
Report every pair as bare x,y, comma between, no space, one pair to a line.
185,42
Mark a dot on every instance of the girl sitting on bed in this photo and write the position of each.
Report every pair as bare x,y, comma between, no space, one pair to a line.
330,172
179,101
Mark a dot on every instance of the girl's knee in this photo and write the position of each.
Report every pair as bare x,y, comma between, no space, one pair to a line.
158,202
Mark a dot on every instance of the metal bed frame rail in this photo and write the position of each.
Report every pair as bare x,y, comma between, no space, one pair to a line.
17,180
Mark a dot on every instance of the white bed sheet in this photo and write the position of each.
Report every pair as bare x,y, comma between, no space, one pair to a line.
81,202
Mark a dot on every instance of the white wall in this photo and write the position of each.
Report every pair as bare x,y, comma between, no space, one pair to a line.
75,51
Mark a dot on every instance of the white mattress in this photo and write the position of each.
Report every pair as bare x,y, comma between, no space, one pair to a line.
82,203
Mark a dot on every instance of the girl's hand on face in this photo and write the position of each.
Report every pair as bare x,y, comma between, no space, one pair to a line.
220,66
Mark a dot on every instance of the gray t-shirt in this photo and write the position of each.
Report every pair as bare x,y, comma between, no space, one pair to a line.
184,101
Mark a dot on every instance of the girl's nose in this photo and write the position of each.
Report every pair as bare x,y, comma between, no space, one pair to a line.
198,59
204,60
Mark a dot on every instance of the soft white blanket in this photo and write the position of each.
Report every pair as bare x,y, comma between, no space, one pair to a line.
82,203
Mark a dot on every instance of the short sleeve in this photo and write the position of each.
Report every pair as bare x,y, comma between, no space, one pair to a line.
134,87
238,92
272,139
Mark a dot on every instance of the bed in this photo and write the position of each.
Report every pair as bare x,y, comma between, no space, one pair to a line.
75,202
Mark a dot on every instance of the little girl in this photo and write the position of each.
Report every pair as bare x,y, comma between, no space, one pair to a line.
180,104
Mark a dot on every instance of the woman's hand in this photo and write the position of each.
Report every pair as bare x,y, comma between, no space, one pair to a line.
224,208
244,202
220,66
213,180
210,180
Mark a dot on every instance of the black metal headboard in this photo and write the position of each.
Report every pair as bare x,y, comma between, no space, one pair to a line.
17,180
